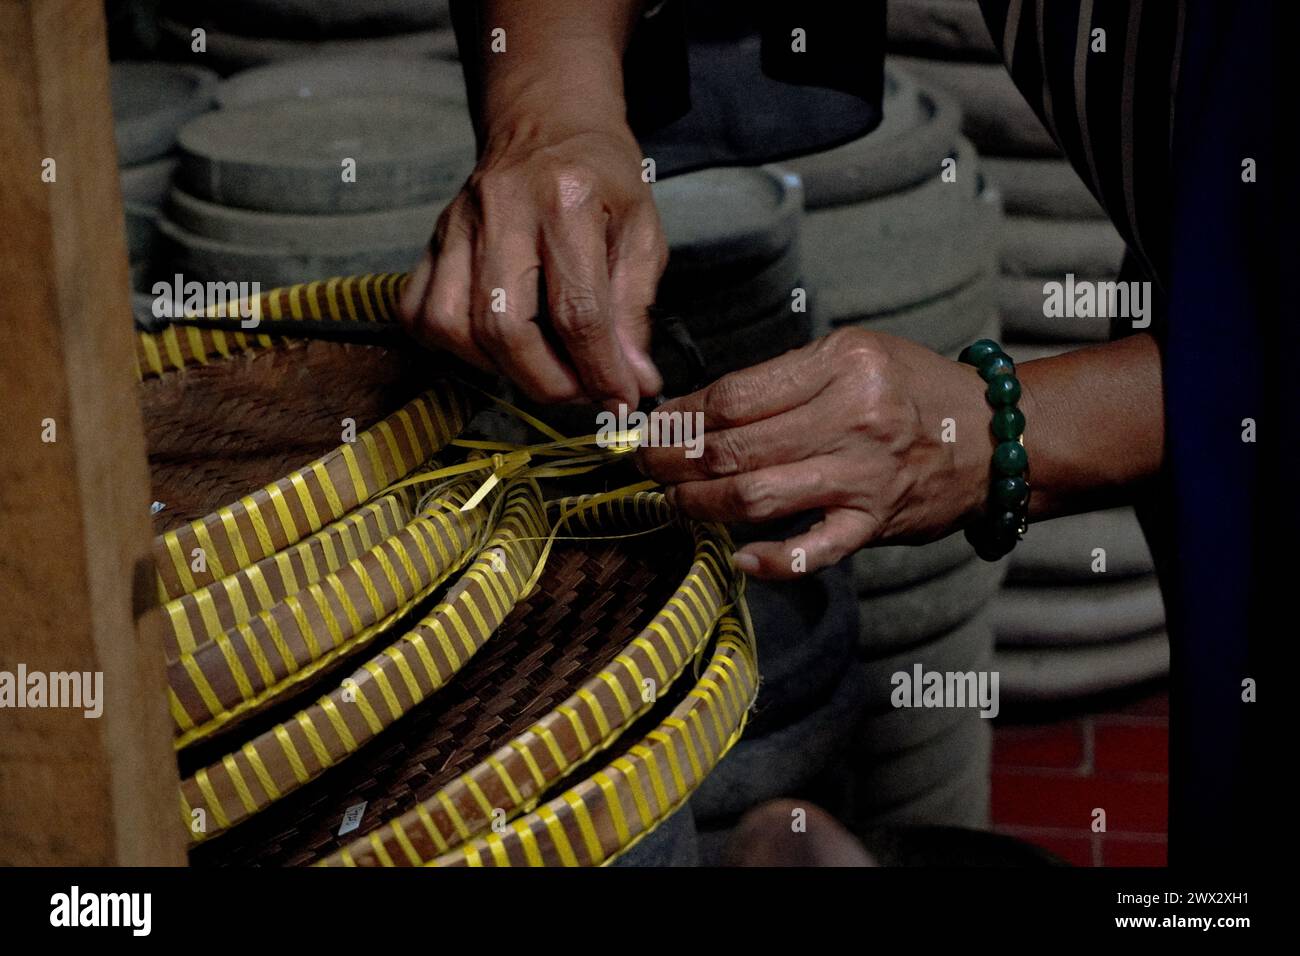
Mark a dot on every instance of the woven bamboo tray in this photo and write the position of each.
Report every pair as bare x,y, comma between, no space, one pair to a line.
560,681
437,663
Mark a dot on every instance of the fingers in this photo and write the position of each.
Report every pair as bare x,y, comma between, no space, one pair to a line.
575,256
762,495
587,227
841,532
435,304
503,310
639,257
767,389
788,437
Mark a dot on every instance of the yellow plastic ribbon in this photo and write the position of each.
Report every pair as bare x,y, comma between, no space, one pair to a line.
510,460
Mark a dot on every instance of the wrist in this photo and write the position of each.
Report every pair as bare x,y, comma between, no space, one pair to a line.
1036,424
573,85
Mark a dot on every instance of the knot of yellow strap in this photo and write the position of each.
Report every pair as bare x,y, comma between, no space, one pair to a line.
503,466
564,456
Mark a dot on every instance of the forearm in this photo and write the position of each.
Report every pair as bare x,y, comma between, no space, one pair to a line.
1094,425
562,59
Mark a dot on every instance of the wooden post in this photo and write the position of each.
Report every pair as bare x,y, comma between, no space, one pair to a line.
75,573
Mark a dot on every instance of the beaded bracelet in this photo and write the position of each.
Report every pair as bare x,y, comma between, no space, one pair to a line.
994,534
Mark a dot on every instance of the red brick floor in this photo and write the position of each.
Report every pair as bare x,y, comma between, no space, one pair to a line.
1053,770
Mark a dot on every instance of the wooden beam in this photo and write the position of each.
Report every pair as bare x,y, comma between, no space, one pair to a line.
75,575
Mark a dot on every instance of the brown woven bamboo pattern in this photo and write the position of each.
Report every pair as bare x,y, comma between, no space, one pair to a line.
593,598
606,814
217,432
300,576
304,501
292,753
598,711
234,674
210,611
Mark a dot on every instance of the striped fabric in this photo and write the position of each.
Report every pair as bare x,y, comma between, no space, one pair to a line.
1111,112
593,717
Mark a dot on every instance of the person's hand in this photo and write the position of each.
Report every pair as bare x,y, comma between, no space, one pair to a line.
556,205
852,425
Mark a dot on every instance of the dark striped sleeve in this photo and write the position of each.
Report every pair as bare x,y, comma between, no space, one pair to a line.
1102,77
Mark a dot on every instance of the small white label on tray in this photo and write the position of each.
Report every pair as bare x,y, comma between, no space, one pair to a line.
352,818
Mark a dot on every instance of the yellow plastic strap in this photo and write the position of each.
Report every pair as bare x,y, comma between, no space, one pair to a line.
599,710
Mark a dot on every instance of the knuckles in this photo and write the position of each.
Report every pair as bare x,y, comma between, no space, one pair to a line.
723,456
577,314
726,402
490,185
558,187
753,497
866,380
570,187
857,353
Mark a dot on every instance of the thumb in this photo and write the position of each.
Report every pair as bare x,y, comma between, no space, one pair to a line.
841,532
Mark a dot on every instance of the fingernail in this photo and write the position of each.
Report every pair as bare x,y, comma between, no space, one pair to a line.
745,562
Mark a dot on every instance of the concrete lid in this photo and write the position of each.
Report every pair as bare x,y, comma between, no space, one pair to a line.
716,217
1060,551
1049,188
919,128
1072,615
1033,246
228,52
151,102
308,133
345,75
344,232
1042,674
290,155
995,116
148,182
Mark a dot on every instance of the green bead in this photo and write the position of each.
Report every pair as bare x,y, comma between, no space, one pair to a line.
1003,390
996,365
1005,527
976,352
1008,423
985,545
1009,493
1009,459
